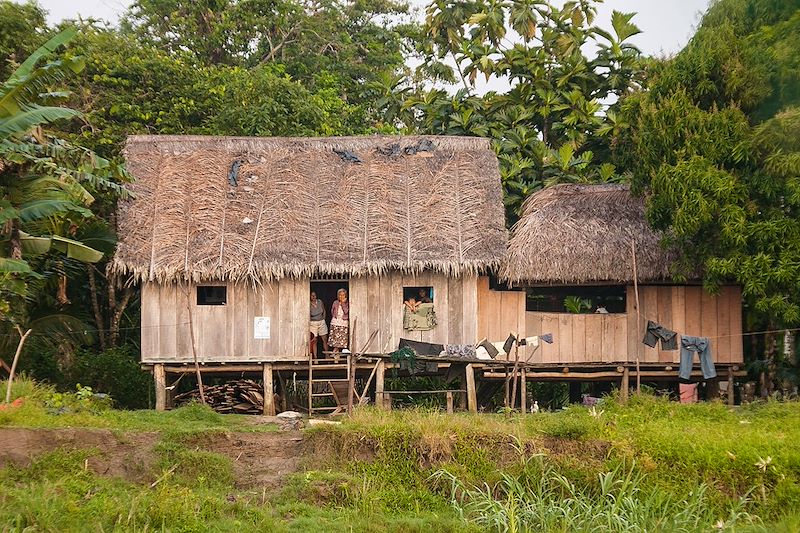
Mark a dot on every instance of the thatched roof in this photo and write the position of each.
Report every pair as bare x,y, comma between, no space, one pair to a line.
298,208
582,234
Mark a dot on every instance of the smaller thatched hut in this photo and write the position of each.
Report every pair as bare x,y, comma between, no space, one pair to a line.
576,248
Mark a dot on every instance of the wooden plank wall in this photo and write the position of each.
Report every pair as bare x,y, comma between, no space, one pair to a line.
689,310
376,303
588,338
500,313
224,333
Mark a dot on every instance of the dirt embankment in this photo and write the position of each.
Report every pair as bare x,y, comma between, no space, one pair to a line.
262,459
259,459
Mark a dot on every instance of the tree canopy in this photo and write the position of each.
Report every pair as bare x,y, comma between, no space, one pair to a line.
564,73
713,144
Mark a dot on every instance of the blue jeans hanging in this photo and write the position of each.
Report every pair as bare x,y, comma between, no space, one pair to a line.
701,345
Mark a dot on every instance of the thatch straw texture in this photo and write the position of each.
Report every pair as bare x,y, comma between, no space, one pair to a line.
299,209
582,234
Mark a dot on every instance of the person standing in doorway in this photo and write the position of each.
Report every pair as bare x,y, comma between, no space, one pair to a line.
317,325
340,322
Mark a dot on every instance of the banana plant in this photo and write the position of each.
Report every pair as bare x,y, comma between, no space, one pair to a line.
47,185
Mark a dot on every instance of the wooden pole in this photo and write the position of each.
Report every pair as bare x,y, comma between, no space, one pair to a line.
22,337
523,392
160,380
472,396
198,374
269,396
638,314
730,386
515,375
449,396
379,382
351,369
351,381
369,379
625,385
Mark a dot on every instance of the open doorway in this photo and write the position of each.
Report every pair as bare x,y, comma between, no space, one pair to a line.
326,290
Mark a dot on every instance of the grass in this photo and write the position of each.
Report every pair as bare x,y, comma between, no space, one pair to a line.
70,412
652,465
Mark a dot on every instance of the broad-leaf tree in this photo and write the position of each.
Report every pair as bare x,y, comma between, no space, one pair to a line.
553,122
714,144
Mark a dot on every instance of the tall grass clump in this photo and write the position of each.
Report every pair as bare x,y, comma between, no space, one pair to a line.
540,498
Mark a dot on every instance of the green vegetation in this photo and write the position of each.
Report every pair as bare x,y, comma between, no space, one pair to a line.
652,465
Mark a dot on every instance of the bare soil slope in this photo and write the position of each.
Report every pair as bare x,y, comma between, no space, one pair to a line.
259,459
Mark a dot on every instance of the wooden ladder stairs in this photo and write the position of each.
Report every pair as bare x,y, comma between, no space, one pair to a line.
328,378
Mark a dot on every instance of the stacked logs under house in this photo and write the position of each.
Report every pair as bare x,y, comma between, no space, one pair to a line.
243,396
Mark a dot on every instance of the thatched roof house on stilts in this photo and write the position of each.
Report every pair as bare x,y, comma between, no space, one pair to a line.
228,236
589,248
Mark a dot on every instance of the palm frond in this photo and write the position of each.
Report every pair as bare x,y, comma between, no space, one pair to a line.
43,51
32,116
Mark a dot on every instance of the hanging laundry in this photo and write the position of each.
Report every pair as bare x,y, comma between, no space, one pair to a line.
530,341
509,342
656,332
701,345
487,347
547,337
423,319
465,351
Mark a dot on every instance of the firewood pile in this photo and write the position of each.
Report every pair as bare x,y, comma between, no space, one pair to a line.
243,396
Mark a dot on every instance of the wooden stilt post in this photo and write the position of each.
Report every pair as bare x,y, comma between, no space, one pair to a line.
472,395
638,313
160,379
625,385
269,394
507,390
523,390
730,385
449,403
379,383
351,381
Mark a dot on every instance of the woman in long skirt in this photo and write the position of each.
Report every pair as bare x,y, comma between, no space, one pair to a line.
339,336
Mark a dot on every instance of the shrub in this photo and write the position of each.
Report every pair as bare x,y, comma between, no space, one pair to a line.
116,372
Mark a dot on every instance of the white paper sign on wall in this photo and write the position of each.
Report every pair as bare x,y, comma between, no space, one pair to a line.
261,327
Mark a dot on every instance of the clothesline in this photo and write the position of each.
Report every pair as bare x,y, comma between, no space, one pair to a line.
746,334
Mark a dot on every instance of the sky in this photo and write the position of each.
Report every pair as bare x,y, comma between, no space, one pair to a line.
666,24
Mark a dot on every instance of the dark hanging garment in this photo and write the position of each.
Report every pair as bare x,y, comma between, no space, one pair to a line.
656,332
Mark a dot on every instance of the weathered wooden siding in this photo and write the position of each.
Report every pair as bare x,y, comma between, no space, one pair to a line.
612,338
692,311
499,312
590,338
224,333
376,303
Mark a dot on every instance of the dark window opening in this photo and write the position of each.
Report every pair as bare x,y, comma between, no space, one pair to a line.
212,295
421,295
576,299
